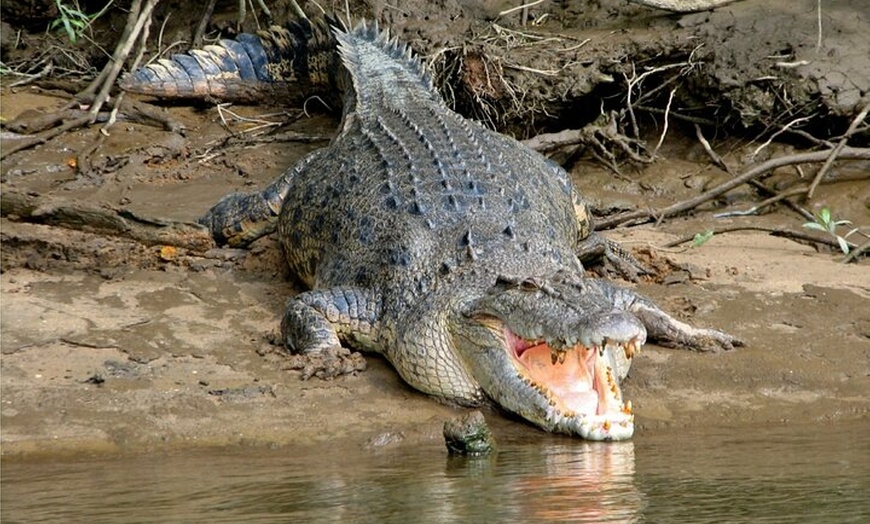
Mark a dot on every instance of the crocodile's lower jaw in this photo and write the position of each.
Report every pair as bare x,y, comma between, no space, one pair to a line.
583,395
612,426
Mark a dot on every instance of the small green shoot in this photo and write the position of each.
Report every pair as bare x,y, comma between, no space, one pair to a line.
73,20
826,224
701,238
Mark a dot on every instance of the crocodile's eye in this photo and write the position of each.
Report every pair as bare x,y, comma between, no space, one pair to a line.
529,285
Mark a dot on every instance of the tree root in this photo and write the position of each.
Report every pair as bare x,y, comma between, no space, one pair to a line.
96,94
836,151
596,136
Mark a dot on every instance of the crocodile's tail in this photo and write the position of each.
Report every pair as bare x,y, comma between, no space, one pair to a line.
288,63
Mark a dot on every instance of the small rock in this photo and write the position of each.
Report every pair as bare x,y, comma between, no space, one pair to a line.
468,435
96,379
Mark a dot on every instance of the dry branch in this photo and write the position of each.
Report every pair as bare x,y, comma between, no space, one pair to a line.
774,197
847,153
774,231
83,216
684,6
113,68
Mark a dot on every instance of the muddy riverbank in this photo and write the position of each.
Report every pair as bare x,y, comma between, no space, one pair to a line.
112,346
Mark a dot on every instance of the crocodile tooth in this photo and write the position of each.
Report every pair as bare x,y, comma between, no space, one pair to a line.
631,349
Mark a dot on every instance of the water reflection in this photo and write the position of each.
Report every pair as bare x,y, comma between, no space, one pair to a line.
810,474
564,481
560,482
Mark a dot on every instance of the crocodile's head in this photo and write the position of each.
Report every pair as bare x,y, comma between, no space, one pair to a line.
554,353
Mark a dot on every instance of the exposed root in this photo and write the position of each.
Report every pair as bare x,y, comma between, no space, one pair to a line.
97,93
602,137
685,6
484,71
718,162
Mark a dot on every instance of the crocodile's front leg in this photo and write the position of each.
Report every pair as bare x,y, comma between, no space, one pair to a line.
317,322
590,246
321,319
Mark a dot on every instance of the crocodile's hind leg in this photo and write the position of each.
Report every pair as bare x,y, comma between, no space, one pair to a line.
593,247
316,323
240,218
660,326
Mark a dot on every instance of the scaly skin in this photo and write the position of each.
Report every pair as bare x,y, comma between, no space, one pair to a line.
451,250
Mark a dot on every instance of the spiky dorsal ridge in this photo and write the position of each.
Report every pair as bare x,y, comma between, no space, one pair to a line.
369,32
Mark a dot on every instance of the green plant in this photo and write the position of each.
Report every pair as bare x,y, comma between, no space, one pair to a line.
825,223
73,20
701,238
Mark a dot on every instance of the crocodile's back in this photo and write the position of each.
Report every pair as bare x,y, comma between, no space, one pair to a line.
410,191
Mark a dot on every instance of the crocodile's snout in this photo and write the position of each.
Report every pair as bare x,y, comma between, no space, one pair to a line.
561,373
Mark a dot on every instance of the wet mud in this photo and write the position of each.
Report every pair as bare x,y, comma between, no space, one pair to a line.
113,345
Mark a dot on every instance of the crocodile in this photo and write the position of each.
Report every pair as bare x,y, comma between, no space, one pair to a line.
448,248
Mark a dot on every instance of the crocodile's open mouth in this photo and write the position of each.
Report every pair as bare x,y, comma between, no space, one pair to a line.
578,383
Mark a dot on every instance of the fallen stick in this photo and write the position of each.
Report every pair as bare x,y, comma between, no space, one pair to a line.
847,153
83,216
774,197
777,232
684,6
45,136
120,56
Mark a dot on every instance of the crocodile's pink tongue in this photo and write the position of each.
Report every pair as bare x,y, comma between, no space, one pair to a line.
573,381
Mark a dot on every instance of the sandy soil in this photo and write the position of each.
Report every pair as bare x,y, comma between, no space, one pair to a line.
111,345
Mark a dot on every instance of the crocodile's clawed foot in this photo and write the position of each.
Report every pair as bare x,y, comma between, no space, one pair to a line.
328,363
704,340
602,254
715,341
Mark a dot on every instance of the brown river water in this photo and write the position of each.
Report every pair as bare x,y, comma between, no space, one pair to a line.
786,474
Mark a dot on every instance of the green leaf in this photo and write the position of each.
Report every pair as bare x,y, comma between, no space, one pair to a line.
69,30
816,226
701,238
844,246
825,216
